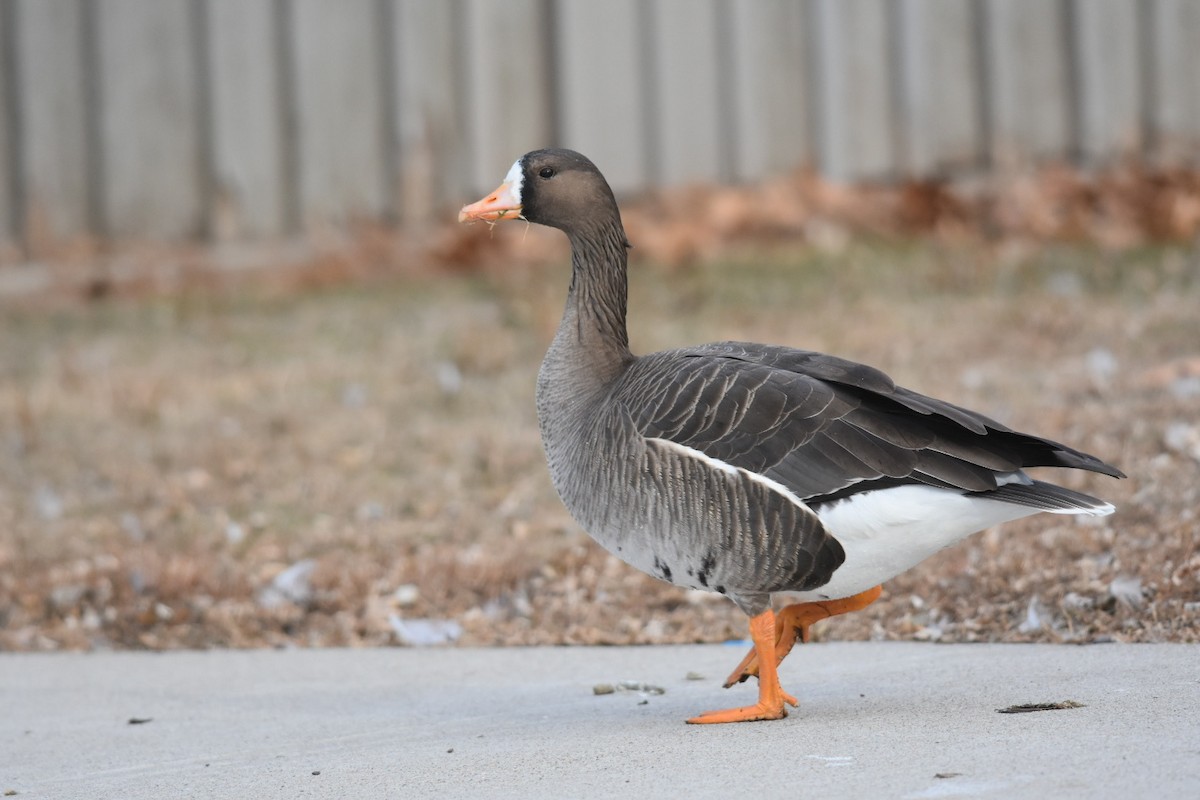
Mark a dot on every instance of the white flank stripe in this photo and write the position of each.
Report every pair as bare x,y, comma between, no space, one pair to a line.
716,463
515,179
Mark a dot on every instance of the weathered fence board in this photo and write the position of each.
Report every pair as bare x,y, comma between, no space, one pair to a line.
507,53
53,123
939,83
339,113
177,118
601,74
769,76
1175,69
687,90
854,98
10,211
150,126
1107,66
1028,76
430,128
249,181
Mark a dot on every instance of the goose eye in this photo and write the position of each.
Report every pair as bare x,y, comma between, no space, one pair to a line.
547,172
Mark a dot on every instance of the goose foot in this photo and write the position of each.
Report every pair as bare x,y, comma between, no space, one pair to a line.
758,711
771,697
793,622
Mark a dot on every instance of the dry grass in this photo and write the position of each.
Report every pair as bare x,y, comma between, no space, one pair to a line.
162,461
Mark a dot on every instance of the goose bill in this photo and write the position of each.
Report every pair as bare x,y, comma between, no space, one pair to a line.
504,203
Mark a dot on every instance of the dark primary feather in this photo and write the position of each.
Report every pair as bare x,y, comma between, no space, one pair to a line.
825,427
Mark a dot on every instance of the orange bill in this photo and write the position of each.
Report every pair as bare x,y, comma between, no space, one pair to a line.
504,203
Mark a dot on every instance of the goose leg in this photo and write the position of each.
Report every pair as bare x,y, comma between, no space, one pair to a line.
793,622
771,697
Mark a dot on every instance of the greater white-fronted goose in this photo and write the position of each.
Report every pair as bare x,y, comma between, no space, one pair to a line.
753,470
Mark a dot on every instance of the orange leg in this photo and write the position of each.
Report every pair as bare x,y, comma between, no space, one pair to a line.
771,697
793,622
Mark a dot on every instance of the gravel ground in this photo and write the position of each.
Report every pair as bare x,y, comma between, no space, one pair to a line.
360,465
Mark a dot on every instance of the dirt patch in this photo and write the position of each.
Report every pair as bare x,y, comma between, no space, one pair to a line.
256,469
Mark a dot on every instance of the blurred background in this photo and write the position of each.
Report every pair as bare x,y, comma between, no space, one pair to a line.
219,120
256,388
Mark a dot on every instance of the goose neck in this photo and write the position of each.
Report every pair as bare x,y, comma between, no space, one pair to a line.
594,319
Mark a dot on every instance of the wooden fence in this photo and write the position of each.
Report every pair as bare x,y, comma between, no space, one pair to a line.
176,119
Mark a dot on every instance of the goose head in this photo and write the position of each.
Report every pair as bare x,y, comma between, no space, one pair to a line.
554,187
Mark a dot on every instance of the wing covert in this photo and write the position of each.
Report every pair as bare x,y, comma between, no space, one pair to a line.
819,424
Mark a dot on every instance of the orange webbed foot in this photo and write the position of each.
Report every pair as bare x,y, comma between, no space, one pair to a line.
794,622
758,711
771,697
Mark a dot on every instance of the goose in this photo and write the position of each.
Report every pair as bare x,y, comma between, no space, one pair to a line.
771,475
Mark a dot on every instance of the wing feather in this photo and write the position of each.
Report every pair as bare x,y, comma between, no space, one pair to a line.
821,425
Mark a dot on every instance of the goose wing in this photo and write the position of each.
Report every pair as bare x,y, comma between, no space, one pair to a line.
825,427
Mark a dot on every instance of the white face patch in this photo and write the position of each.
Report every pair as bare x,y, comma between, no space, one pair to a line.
515,178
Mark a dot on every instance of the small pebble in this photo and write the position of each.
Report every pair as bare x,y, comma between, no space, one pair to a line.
371,511
406,595
603,688
1127,589
48,503
234,533
449,377
316,772
695,676
354,395
424,632
291,585
638,686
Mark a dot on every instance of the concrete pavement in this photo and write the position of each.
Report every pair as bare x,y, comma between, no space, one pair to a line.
882,720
